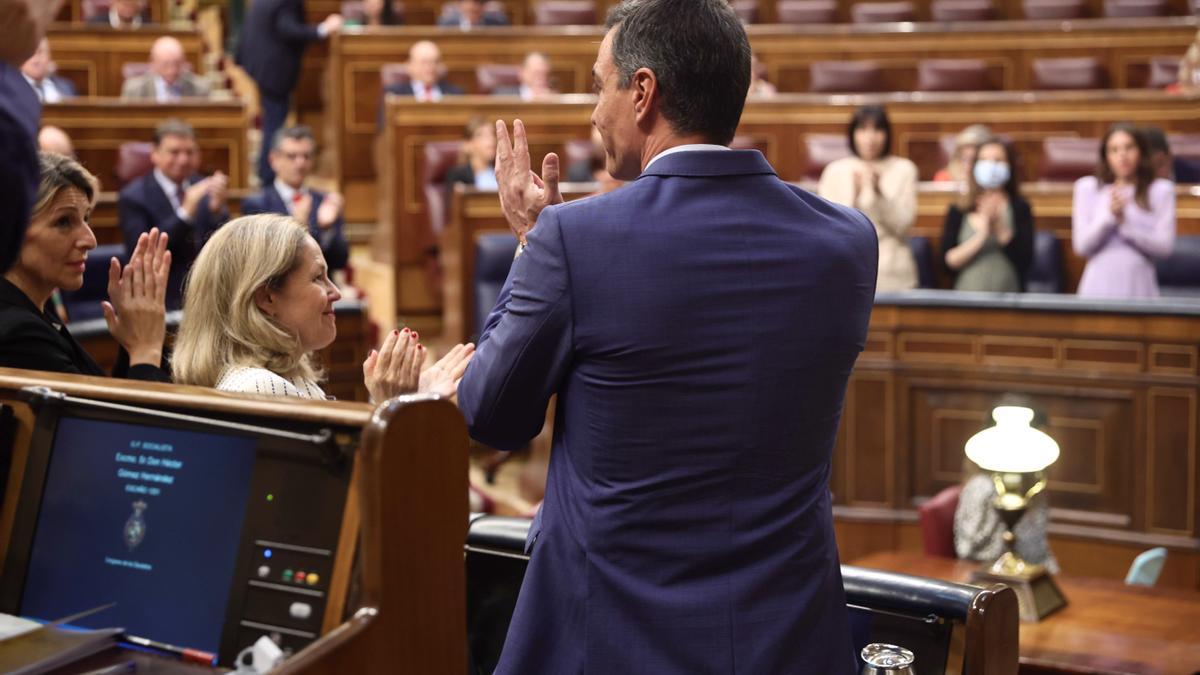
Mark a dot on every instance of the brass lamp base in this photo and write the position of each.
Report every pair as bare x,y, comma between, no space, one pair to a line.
1037,594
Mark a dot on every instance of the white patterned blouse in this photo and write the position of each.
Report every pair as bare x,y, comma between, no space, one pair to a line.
249,380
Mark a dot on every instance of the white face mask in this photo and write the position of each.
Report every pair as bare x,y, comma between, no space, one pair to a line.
990,174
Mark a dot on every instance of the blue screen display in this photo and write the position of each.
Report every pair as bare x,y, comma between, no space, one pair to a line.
147,517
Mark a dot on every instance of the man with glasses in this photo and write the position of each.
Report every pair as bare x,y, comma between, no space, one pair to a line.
292,155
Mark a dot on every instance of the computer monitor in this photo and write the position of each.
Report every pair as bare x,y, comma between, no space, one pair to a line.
206,534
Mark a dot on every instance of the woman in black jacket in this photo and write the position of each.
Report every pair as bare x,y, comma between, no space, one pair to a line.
987,238
52,256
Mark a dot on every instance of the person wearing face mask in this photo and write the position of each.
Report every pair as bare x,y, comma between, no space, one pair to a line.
882,186
987,238
1122,219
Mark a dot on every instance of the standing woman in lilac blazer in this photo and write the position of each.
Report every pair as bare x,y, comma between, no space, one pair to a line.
1122,219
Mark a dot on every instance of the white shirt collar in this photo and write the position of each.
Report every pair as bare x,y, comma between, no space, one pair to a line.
170,187
286,193
419,91
689,147
115,21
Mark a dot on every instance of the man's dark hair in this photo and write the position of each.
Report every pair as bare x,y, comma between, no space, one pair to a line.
699,53
876,116
173,127
1156,140
298,133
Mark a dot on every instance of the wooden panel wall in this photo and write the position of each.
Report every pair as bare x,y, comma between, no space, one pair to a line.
354,60
92,57
98,127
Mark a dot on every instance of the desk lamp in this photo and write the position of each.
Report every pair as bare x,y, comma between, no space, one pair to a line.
1016,455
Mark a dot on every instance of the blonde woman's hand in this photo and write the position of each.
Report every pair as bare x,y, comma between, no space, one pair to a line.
136,309
395,368
442,378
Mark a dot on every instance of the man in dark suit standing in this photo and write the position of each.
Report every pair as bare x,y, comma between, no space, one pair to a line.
22,27
292,156
39,73
175,199
699,326
274,36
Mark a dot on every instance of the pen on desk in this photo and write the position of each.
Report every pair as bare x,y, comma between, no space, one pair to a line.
190,655
118,669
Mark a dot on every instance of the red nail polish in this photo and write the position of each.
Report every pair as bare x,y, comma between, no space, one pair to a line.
395,332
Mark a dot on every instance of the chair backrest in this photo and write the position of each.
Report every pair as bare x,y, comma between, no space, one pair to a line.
962,10
882,12
1082,72
393,74
93,7
747,10
1125,9
493,259
133,161
1164,72
820,150
952,75
922,252
565,12
577,150
489,76
1146,567
439,156
938,621
1068,158
937,522
84,303
1045,270
803,12
1179,273
830,77
1186,150
1054,9
354,11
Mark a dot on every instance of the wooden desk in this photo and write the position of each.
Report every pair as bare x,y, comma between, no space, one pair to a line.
777,127
1107,627
353,60
92,57
98,127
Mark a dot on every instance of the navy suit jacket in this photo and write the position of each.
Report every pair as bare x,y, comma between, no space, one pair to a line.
274,36
332,241
20,115
699,326
143,205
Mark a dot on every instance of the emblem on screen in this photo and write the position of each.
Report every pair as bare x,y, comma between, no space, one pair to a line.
135,527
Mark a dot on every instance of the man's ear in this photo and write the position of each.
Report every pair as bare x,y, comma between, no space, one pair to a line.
644,85
265,301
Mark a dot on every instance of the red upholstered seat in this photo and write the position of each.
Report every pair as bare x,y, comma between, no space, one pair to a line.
133,162
820,150
353,10
1124,9
91,8
962,10
1067,158
937,522
489,76
440,156
952,75
802,12
565,12
1164,71
882,12
747,10
1070,73
576,150
845,77
393,74
1055,9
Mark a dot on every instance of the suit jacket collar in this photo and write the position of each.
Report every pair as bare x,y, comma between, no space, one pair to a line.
701,163
11,295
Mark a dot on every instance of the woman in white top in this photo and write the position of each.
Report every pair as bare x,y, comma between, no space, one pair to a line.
882,186
258,303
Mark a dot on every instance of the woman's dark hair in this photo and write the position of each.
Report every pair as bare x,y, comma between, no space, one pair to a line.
876,116
1144,172
1012,188
699,53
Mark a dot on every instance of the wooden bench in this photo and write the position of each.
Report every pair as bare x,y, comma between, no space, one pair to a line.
353,59
98,127
92,57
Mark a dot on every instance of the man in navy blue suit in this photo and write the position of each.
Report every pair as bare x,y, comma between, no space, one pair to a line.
274,36
22,26
176,199
698,326
39,73
292,155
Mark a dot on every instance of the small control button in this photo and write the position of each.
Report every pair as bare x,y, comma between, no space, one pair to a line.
312,578
287,575
264,571
299,577
300,610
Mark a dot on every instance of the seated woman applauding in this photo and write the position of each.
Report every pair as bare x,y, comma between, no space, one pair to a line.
258,303
1122,219
987,238
52,256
